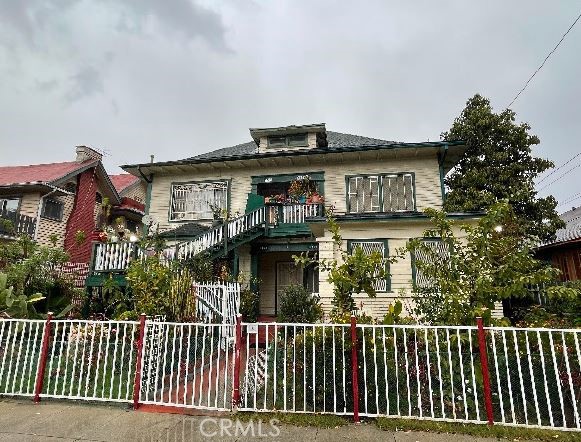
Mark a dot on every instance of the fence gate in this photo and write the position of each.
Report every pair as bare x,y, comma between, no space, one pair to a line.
187,365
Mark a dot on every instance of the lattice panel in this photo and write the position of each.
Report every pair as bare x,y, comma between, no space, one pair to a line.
368,247
363,194
398,192
439,253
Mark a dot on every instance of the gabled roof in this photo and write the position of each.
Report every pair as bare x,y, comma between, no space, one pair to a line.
122,181
48,177
41,173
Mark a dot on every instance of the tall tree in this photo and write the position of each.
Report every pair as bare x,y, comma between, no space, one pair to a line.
499,165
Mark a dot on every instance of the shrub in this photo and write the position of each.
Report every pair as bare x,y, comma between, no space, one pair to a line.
298,305
249,305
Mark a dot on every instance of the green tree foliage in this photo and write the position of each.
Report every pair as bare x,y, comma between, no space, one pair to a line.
485,265
353,273
32,269
499,165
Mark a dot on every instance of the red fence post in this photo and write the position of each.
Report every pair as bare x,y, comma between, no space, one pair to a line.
354,369
485,371
237,346
137,383
42,358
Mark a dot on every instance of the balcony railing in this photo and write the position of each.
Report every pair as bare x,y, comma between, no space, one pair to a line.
14,224
292,213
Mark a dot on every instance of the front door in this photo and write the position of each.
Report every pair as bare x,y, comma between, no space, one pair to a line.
287,273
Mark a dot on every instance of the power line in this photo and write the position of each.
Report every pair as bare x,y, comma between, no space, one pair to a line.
544,61
560,176
556,169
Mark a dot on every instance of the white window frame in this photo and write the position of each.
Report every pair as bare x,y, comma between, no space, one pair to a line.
382,285
191,201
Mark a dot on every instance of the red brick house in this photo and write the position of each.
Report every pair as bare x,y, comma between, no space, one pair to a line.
60,203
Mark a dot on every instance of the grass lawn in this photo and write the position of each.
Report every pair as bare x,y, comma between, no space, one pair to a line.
495,431
396,424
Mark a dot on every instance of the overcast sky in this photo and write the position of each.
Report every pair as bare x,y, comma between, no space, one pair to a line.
175,78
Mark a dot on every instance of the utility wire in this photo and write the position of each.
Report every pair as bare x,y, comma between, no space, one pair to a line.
557,168
559,177
544,61
570,198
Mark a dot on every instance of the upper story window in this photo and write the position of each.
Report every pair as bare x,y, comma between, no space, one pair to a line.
9,205
194,201
294,140
374,245
393,192
52,209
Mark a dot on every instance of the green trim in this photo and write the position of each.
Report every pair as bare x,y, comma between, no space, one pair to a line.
228,182
285,247
283,178
441,159
148,190
300,152
385,242
391,216
380,190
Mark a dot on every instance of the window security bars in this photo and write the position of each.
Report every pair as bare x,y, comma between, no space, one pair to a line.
439,253
194,201
368,247
381,193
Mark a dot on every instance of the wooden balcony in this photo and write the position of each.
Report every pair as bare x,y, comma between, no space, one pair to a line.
13,224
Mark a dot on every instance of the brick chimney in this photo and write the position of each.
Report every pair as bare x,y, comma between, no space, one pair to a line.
85,153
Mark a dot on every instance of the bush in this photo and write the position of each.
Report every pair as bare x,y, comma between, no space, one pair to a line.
298,305
249,305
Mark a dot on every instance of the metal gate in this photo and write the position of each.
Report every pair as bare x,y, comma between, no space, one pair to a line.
187,365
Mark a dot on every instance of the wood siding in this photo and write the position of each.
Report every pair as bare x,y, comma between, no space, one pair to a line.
336,168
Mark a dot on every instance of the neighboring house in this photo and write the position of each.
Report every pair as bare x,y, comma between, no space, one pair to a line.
564,252
378,189
56,201
131,191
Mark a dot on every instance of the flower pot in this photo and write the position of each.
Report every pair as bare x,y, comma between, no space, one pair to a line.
302,199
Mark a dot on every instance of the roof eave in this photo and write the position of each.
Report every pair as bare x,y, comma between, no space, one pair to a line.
132,168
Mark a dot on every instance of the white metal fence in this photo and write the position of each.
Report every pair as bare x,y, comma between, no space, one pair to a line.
423,372
522,377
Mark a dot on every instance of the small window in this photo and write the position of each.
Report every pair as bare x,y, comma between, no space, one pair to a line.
9,205
377,245
294,140
436,252
52,209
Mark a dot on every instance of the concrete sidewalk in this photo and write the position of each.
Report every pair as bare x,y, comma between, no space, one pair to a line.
21,420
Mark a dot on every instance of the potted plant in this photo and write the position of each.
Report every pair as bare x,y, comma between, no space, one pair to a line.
216,214
300,189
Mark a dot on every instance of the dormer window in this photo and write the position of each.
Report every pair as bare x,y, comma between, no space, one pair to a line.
294,140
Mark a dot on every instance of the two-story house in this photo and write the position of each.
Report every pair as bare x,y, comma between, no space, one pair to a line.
378,189
60,202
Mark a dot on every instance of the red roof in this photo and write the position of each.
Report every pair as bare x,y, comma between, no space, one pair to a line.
35,173
123,181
